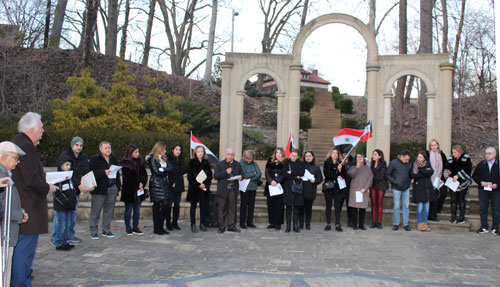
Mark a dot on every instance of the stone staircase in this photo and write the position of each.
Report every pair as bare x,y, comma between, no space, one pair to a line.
326,122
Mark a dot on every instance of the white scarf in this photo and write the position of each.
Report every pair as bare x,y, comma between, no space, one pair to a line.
437,164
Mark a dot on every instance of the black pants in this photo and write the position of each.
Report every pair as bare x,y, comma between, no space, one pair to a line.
159,214
175,200
247,206
338,199
204,210
270,211
328,208
433,207
278,209
354,216
458,201
306,211
443,191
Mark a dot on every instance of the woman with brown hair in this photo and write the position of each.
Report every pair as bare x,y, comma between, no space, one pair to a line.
293,191
459,169
310,187
379,186
423,191
334,172
362,178
199,192
274,176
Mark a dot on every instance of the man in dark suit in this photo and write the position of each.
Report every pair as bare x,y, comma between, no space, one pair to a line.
33,189
228,174
487,177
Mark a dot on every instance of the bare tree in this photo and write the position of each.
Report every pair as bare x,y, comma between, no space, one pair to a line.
26,15
55,35
304,13
47,24
457,37
112,28
123,42
426,7
445,26
207,78
403,49
149,28
89,28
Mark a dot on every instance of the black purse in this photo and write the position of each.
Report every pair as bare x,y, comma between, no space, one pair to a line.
296,188
328,185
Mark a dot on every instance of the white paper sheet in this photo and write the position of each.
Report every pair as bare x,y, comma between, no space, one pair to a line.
113,170
453,185
437,183
341,183
88,180
234,177
58,176
359,196
275,190
200,178
488,187
244,184
308,176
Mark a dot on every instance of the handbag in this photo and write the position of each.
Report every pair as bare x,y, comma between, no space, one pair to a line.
296,188
328,185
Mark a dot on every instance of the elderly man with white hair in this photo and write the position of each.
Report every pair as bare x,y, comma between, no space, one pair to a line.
487,176
29,177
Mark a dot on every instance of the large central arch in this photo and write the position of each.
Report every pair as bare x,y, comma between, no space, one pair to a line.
382,71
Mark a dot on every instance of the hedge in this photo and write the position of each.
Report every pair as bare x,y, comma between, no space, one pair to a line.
305,122
350,123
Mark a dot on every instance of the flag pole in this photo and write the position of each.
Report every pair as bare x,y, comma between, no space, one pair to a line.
350,152
369,124
190,139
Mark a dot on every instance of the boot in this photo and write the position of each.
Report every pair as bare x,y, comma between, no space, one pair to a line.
426,226
296,221
461,207
453,211
288,219
193,228
301,218
420,227
308,222
175,218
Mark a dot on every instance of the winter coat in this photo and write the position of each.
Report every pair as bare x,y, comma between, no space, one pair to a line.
193,169
251,171
274,171
31,184
176,176
330,169
423,190
296,169
158,182
379,176
310,188
361,178
98,165
462,167
222,177
398,174
80,167
16,213
134,173
483,173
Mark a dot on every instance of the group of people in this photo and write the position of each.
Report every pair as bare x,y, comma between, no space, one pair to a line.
290,189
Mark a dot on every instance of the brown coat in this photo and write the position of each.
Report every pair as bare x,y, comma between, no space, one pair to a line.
32,187
361,178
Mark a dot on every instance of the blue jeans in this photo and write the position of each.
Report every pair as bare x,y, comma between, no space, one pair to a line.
399,196
61,224
422,211
22,259
136,208
70,234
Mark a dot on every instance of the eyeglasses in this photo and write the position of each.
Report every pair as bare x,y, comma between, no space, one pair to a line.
14,157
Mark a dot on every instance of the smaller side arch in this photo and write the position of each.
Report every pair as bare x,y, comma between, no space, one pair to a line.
267,71
428,82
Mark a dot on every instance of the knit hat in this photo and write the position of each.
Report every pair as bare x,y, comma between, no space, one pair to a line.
75,140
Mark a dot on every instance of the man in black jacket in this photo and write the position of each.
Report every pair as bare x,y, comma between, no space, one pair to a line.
487,176
226,172
398,174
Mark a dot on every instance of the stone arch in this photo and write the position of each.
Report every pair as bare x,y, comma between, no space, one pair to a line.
339,18
423,76
279,82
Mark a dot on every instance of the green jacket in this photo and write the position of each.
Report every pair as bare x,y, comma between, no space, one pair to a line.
251,171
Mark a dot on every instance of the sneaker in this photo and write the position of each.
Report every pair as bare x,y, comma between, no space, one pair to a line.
453,221
482,231
137,231
52,242
129,231
338,228
328,227
94,236
495,232
462,221
395,227
64,247
108,234
75,240
407,228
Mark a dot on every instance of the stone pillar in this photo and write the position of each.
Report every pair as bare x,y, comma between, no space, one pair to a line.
280,117
445,107
372,79
293,105
431,117
225,102
238,107
384,140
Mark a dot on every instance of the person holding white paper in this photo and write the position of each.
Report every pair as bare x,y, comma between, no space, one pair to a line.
310,188
423,190
199,191
293,198
251,171
379,186
334,172
361,181
459,169
438,161
274,176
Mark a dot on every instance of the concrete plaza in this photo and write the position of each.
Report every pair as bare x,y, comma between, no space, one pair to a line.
261,257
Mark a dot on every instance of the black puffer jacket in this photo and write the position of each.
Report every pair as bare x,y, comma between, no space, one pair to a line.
158,187
379,176
134,173
331,171
423,190
177,175
80,167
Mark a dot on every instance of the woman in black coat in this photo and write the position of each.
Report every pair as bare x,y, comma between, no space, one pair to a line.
423,191
199,192
158,185
334,171
176,181
274,175
459,168
135,178
310,188
294,200
379,186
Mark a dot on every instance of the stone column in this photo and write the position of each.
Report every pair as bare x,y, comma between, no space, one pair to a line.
280,117
445,107
384,140
238,107
431,117
293,106
225,101
372,79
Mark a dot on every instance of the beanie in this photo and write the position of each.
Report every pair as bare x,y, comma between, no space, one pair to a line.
75,140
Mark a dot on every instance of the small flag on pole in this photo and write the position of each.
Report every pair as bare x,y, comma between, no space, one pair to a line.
352,136
290,145
196,142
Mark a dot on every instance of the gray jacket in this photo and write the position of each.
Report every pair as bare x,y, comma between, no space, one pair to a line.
16,213
398,174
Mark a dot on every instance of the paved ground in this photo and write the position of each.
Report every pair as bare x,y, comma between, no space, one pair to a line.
259,257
